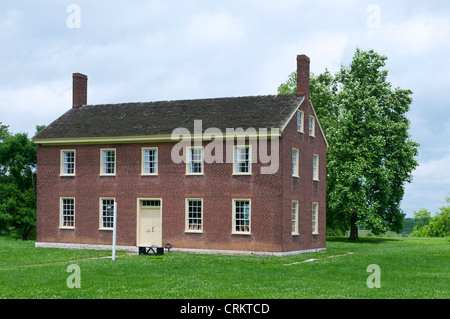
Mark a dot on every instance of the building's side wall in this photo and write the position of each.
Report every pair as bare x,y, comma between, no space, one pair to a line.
303,189
217,187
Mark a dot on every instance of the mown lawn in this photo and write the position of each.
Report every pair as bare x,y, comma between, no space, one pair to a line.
410,268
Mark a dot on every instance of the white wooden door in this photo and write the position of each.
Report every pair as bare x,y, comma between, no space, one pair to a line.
149,226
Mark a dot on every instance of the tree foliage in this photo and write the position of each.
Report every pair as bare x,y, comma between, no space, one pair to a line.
437,226
371,155
17,183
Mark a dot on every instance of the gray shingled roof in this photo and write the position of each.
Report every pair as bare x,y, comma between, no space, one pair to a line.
160,118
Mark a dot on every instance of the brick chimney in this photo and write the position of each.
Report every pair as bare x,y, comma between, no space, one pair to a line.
79,94
303,76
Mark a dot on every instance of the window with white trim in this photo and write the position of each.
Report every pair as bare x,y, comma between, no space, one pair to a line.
194,161
150,161
106,213
194,215
67,212
67,162
242,160
108,162
241,216
295,161
315,218
312,126
315,167
294,217
300,121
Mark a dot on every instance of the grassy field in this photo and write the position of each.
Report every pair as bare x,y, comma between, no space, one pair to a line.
409,268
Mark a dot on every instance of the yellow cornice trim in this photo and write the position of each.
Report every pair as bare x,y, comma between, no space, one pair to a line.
160,138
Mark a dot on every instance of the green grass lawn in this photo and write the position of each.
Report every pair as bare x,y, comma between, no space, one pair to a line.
410,268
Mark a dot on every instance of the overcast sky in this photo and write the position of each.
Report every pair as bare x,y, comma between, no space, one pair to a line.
137,51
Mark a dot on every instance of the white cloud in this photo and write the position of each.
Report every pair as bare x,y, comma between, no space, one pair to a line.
24,108
218,28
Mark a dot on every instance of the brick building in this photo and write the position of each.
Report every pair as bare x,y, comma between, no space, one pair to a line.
240,175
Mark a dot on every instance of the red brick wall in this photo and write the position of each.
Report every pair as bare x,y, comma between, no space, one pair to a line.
303,189
217,187
270,200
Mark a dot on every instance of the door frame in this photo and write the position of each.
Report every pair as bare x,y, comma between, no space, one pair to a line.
138,215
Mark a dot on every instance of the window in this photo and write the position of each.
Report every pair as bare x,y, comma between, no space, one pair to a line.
241,216
242,160
312,126
67,213
315,218
151,203
67,163
300,121
106,213
194,163
149,161
295,161
108,162
316,167
294,217
194,215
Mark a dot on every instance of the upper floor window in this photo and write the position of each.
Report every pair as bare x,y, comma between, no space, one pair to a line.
295,161
242,160
315,167
67,163
194,161
312,126
150,161
300,121
108,162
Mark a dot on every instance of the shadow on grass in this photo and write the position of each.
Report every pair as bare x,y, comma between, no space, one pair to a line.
362,240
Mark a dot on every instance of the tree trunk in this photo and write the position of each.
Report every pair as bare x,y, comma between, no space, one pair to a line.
353,228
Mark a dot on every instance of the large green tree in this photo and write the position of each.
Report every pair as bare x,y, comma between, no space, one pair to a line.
371,154
17,183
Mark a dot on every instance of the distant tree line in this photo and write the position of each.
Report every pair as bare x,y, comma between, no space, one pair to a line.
437,226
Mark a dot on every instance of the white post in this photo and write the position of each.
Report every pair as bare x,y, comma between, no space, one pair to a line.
114,232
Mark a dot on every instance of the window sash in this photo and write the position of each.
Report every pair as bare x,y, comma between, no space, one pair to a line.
295,156
194,215
242,159
107,220
242,216
316,167
315,213
195,160
68,212
311,126
150,160
300,121
294,218
68,162
109,162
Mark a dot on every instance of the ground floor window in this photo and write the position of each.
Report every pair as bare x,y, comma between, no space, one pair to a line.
241,216
106,213
294,217
315,218
194,215
67,212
